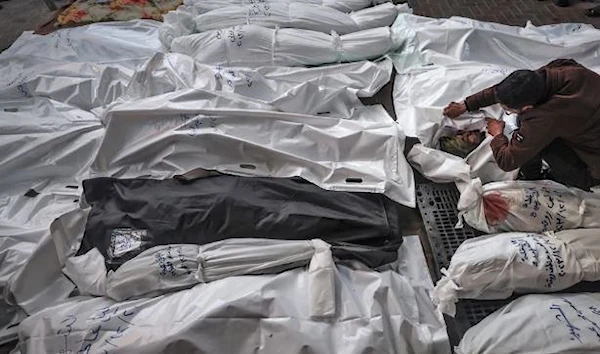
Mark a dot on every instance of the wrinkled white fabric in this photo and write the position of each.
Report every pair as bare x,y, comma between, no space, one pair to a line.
341,5
127,44
538,324
44,139
24,221
585,246
86,67
165,135
177,23
299,16
327,90
84,85
162,269
421,93
525,206
155,271
375,311
496,266
253,46
88,272
459,39
40,283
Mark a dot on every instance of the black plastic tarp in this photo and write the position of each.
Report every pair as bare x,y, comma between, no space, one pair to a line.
132,215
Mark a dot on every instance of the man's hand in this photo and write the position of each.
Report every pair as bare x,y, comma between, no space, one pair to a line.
494,126
455,109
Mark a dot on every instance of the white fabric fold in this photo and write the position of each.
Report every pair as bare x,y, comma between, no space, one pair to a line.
253,46
558,323
328,90
165,135
163,269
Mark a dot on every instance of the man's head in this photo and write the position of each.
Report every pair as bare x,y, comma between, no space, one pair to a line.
462,143
520,91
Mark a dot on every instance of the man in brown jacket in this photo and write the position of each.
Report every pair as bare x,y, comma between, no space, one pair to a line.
558,109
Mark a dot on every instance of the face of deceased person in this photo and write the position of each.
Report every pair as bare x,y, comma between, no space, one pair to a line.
472,137
462,143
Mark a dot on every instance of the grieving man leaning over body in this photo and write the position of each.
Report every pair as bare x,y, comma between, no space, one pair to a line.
558,108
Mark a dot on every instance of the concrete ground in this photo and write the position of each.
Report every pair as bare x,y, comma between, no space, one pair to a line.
17,16
509,12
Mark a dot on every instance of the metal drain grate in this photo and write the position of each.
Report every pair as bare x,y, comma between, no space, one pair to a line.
471,312
437,204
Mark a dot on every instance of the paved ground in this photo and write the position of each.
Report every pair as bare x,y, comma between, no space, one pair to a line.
510,12
17,16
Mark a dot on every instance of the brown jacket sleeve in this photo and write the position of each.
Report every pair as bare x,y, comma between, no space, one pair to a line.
533,135
487,97
481,99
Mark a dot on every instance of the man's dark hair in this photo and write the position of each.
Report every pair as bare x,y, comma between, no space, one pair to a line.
521,88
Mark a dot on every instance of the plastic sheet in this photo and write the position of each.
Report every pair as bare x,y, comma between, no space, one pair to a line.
127,44
44,139
564,323
252,46
86,67
212,317
459,39
341,5
535,206
327,90
186,19
299,16
168,268
175,212
40,283
359,155
25,220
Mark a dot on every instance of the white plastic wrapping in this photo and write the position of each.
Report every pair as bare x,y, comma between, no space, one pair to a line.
25,220
84,85
297,15
39,283
341,5
328,90
459,39
128,43
527,206
44,139
155,271
166,135
187,20
538,324
496,266
86,67
177,23
253,46
374,311
87,272
168,268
